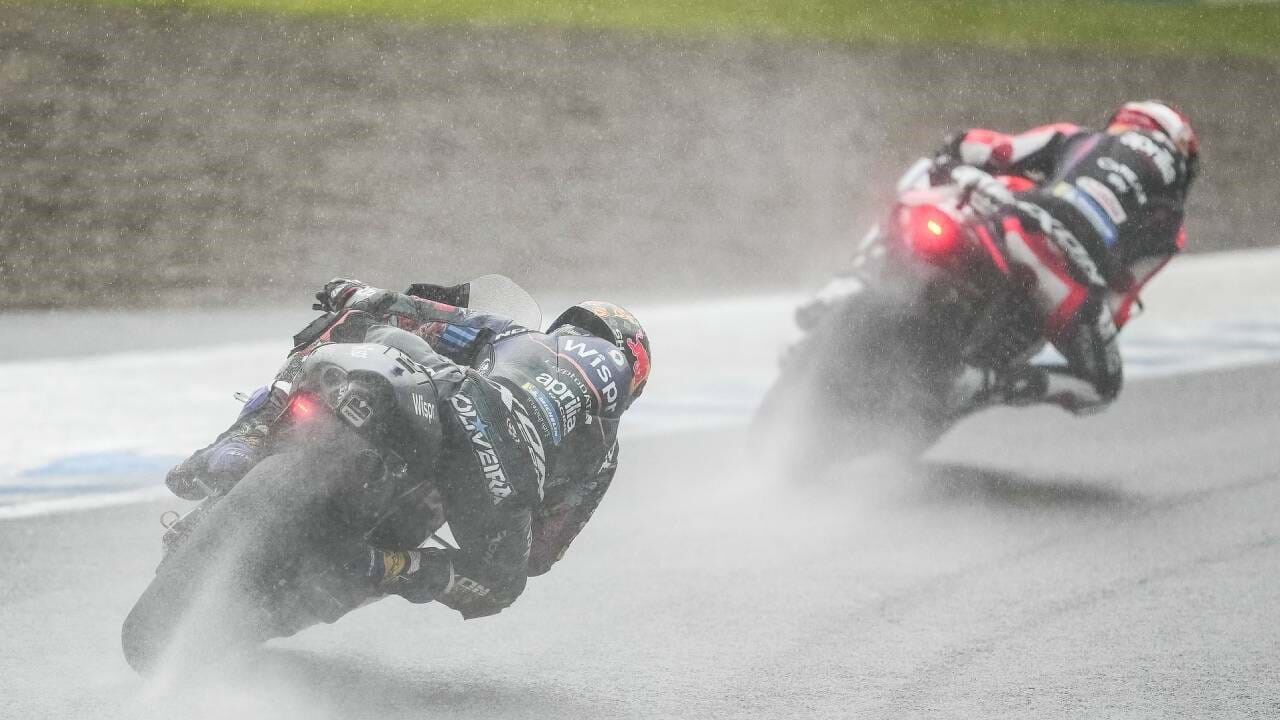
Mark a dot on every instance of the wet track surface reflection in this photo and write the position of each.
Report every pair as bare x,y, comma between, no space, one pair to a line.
1031,565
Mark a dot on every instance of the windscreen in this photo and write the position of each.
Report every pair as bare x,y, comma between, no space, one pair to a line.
501,295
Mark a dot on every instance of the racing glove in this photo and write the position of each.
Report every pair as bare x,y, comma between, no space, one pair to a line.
945,160
976,181
335,293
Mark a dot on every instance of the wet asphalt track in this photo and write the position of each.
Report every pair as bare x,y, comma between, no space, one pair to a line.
1033,566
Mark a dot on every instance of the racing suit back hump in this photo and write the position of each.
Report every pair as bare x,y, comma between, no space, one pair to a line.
574,386
567,389
1121,195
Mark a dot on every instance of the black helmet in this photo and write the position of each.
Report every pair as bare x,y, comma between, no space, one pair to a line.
615,324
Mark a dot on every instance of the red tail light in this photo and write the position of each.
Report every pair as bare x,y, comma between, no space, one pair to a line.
930,231
302,408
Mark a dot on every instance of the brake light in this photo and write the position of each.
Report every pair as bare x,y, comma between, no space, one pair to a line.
301,408
930,231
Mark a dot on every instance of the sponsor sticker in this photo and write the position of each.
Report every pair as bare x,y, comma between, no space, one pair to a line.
494,474
1065,241
568,401
1159,155
1123,179
640,372
1091,212
528,432
599,373
422,408
548,408
1102,195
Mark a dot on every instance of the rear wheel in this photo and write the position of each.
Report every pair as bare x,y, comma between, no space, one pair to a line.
233,583
872,376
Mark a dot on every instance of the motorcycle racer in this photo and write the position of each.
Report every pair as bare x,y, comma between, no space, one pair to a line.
1091,216
529,443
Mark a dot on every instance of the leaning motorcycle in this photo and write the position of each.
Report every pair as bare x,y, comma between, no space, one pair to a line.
349,463
933,287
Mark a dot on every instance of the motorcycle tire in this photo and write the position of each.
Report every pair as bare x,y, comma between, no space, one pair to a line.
871,376
226,586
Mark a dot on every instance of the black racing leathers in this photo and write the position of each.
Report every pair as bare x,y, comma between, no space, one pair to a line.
531,438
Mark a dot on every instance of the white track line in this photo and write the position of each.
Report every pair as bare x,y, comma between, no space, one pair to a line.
83,502
714,359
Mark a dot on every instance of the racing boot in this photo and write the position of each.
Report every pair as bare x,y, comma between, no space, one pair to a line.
366,574
417,575
976,388
214,469
973,389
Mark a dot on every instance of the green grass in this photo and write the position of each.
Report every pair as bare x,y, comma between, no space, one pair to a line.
1113,26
